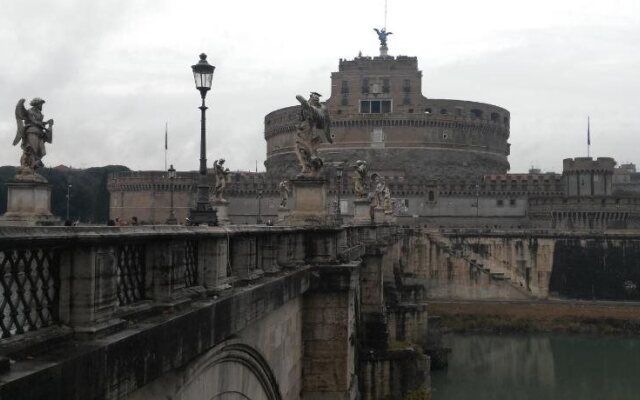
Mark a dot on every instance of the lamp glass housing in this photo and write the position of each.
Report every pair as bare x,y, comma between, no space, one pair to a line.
172,172
203,74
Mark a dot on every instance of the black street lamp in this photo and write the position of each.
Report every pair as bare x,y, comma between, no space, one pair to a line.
339,170
203,213
259,219
172,216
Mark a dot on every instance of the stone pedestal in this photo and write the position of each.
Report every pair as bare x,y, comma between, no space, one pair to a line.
361,211
283,214
28,203
222,211
389,218
378,215
309,202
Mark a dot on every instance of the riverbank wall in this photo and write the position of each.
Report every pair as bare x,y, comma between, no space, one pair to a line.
574,317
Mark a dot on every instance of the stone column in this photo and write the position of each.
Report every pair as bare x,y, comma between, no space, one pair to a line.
88,286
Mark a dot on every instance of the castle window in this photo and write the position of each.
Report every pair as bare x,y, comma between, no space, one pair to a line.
431,196
406,87
495,117
345,87
500,203
427,111
443,111
385,85
512,202
365,85
406,100
345,100
475,113
375,106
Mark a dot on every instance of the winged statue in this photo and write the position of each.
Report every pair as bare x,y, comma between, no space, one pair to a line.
382,36
32,133
313,117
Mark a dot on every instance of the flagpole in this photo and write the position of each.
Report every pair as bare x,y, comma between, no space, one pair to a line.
166,143
588,136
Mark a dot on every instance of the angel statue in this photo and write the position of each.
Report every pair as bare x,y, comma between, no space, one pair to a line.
222,177
359,179
382,36
313,116
387,205
284,189
379,191
32,134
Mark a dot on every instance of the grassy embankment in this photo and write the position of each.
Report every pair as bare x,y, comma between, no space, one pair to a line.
600,318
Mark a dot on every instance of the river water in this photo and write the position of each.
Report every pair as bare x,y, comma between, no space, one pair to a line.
485,367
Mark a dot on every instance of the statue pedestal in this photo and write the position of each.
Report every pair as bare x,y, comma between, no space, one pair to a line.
283,214
378,215
361,211
29,203
222,211
309,206
389,218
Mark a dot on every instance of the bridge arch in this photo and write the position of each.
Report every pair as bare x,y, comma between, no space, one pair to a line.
230,371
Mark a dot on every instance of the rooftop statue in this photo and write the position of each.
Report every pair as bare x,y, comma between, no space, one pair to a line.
284,193
222,176
359,179
314,116
33,132
382,36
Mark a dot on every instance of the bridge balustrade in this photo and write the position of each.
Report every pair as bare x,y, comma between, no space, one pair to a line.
80,277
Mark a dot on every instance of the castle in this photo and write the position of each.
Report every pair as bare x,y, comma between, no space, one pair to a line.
445,162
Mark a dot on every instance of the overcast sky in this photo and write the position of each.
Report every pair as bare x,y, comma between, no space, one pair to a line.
112,72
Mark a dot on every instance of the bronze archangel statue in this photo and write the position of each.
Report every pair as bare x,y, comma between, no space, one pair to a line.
313,117
222,176
33,132
382,36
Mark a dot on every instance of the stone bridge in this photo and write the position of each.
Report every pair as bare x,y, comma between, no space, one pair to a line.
211,313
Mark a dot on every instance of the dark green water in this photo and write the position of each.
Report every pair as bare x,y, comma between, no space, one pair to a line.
540,368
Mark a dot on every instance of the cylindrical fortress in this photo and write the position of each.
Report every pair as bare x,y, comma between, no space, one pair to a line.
379,115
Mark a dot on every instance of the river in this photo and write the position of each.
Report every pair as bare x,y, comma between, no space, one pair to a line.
486,367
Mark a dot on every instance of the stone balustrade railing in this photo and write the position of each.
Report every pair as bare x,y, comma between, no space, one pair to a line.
87,278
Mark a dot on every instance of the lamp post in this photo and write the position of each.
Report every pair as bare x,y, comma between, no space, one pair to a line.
339,170
203,213
259,219
172,216
68,197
